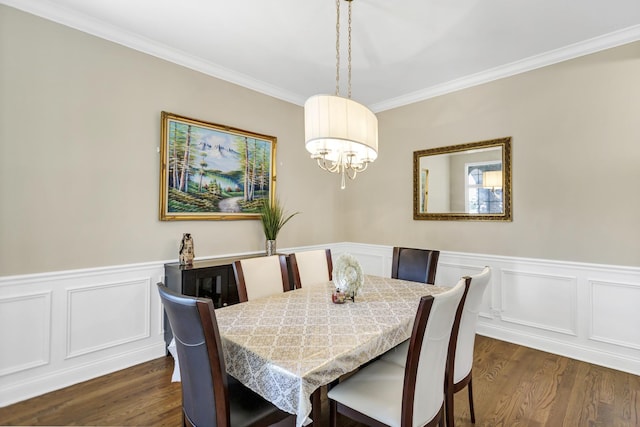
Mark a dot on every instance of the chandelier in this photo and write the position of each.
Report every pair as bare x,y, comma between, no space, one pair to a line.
341,134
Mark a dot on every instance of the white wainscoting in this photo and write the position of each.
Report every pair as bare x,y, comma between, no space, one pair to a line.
583,311
61,328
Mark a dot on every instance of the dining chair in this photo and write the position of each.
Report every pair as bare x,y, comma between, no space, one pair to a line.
311,267
460,365
261,276
417,265
387,394
210,397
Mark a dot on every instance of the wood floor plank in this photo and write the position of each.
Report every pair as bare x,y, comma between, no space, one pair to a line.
513,385
631,409
557,415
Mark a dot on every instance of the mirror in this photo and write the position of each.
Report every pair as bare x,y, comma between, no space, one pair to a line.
463,182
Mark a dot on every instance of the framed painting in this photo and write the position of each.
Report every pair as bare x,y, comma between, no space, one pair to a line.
213,172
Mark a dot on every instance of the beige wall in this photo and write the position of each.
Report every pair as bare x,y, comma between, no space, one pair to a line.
79,131
80,126
576,164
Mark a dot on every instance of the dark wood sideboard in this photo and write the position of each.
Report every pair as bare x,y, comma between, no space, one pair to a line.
206,279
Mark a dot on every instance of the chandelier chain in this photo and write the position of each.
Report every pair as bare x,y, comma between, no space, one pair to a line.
349,58
337,47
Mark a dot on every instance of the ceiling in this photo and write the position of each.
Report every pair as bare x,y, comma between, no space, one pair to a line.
403,51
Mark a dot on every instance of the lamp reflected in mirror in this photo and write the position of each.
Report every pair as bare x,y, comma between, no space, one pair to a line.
492,180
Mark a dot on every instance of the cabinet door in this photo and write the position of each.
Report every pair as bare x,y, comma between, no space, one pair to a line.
208,284
230,289
190,283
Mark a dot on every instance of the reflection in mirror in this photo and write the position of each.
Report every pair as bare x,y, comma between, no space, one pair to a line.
463,182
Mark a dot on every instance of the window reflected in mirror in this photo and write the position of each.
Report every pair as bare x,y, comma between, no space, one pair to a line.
463,182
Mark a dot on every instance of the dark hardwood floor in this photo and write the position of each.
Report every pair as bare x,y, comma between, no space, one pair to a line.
513,386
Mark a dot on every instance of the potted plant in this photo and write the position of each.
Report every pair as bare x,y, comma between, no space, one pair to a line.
273,218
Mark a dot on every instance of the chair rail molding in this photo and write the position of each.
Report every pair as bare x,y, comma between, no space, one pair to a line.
70,326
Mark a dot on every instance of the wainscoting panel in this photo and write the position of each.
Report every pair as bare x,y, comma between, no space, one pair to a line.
525,300
615,306
121,316
27,346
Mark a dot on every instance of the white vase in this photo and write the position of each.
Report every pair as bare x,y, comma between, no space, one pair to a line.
270,247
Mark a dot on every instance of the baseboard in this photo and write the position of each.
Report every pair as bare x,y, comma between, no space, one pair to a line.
36,385
585,354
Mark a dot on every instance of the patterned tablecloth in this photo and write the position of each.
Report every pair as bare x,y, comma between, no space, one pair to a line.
286,346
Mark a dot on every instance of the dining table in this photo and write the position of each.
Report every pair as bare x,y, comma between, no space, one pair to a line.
285,347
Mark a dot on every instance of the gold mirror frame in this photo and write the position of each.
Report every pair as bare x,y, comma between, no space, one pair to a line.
420,181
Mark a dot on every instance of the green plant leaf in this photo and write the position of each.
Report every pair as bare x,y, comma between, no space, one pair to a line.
273,218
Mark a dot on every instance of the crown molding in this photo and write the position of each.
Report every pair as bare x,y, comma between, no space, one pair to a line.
89,25
84,23
596,44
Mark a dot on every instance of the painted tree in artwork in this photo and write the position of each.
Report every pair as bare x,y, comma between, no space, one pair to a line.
181,137
203,169
183,184
183,160
262,175
243,147
176,147
243,156
252,173
254,164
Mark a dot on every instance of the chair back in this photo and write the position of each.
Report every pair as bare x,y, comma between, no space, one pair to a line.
417,265
463,361
205,399
311,267
261,277
424,374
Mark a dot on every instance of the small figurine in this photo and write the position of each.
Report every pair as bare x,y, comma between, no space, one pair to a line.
186,250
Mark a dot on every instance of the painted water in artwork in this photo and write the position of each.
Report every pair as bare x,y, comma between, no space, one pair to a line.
213,171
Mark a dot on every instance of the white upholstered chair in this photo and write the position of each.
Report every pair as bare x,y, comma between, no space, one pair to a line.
387,394
460,375
311,267
463,361
261,277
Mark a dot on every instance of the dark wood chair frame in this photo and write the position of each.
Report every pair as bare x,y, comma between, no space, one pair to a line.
432,260
242,286
456,388
296,272
218,372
